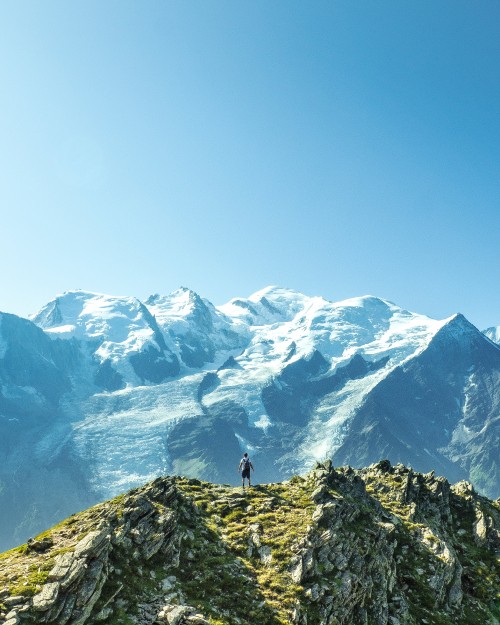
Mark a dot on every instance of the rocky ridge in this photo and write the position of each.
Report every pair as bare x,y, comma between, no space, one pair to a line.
375,546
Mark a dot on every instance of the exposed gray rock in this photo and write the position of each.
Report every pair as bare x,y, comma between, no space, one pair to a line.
39,545
47,597
93,543
15,600
370,546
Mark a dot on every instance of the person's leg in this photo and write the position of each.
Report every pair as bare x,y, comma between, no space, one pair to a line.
245,475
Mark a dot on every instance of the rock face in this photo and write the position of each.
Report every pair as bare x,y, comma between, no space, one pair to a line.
378,546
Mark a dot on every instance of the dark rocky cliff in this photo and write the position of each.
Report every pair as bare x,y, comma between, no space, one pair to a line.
376,546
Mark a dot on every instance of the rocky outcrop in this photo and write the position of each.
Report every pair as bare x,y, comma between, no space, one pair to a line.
378,546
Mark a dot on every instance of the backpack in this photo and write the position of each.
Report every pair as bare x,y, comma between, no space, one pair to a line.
246,463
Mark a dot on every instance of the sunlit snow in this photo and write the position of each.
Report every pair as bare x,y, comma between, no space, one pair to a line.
124,434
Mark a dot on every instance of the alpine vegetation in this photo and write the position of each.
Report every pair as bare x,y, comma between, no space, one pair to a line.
378,546
99,394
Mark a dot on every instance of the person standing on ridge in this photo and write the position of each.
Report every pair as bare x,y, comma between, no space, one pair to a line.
245,466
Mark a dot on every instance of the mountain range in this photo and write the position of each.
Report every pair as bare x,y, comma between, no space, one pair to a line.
100,393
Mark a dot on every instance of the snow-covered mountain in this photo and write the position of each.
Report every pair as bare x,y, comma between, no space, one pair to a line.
120,333
493,333
101,393
200,332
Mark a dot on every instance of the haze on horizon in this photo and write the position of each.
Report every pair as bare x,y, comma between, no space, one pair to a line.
339,149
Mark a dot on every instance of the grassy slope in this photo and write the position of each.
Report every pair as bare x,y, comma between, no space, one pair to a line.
237,549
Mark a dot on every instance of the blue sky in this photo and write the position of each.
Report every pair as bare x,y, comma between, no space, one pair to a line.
338,148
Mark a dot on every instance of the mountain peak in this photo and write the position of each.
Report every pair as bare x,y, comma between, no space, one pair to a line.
179,304
367,300
268,305
275,292
263,560
458,324
493,334
85,313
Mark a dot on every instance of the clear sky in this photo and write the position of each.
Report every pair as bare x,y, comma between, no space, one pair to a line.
339,148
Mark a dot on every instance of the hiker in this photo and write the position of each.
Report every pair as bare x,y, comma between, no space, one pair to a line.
245,466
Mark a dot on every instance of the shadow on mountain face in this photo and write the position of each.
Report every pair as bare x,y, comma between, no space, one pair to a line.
291,396
35,495
210,447
416,414
206,446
